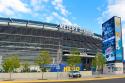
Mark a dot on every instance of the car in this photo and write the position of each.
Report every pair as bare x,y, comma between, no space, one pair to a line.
1,70
74,74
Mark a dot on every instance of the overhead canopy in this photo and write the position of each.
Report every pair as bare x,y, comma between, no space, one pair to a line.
82,55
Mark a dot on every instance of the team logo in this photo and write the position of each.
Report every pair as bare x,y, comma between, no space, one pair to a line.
117,22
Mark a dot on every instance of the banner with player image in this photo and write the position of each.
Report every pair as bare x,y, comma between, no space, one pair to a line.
108,37
112,39
118,39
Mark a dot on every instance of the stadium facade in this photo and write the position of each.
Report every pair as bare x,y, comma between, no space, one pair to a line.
26,38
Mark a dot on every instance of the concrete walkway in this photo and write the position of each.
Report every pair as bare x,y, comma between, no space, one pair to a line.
94,77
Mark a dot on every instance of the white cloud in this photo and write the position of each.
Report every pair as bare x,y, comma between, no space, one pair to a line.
11,6
118,9
114,8
39,9
38,5
98,8
49,18
62,19
58,4
45,0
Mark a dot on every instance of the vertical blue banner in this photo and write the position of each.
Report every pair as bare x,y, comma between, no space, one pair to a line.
118,39
112,39
108,40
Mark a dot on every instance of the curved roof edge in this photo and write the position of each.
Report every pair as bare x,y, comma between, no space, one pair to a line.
39,23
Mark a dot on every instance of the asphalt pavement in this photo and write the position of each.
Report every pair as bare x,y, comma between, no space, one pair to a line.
120,80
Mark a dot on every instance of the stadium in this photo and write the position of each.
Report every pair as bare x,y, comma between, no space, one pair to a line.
26,38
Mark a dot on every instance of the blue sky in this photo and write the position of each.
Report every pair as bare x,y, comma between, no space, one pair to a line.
72,12
88,14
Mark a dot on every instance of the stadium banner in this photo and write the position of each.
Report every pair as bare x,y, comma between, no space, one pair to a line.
63,67
112,39
108,40
118,39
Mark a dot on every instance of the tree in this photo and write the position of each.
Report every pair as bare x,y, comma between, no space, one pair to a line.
74,58
43,59
26,67
99,61
10,64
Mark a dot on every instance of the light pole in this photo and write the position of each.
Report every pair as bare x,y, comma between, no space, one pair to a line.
59,59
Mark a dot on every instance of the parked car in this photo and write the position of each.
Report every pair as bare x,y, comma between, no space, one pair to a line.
74,74
1,70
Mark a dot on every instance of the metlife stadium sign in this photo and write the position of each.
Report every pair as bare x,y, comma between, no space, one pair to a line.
69,28
112,39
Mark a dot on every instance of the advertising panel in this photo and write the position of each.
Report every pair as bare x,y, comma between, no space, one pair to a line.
109,49
108,36
63,67
118,39
112,39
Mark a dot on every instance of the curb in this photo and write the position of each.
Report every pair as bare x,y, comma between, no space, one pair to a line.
68,80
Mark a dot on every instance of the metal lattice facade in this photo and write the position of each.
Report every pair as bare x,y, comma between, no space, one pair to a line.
27,38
